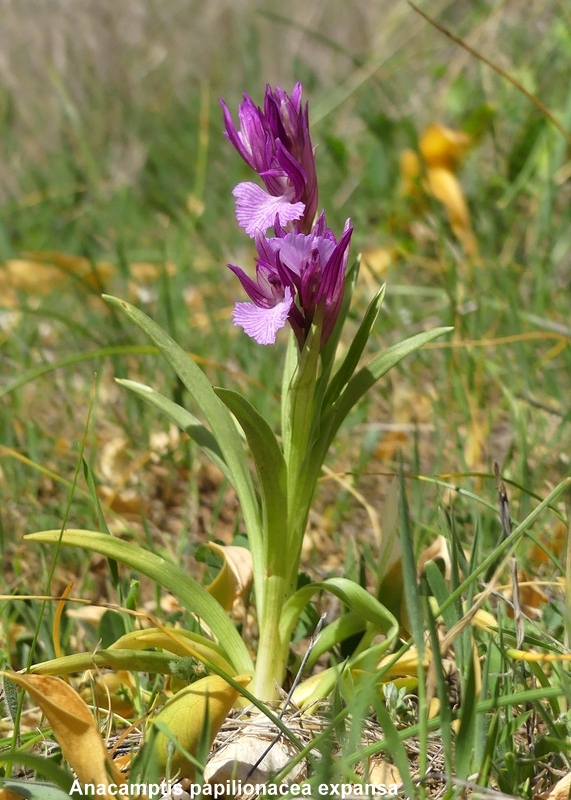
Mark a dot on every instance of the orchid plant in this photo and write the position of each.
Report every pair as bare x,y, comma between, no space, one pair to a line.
302,280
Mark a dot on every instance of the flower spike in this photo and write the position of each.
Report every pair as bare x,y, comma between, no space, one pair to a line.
296,273
276,144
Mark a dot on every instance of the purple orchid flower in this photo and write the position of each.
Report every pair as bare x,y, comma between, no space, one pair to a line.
276,144
296,273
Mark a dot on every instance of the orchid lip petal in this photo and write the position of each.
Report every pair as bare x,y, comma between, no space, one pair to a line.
262,324
256,209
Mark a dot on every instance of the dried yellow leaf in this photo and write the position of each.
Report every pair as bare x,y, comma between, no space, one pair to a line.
40,273
185,715
560,791
104,691
235,577
33,277
74,728
441,150
9,794
406,665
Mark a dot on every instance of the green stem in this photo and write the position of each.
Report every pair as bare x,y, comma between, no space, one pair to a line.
271,660
299,423
283,552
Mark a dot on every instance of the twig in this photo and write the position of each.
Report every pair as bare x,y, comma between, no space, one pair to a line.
496,67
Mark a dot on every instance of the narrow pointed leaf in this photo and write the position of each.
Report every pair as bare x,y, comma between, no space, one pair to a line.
410,582
182,643
186,421
363,380
269,462
465,740
217,416
192,595
395,746
351,360
123,659
337,631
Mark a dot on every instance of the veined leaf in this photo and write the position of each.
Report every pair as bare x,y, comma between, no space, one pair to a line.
186,421
337,631
219,419
270,466
290,366
192,595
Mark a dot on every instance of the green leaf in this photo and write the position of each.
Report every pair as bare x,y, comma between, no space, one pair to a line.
363,380
354,596
35,790
466,738
349,364
180,642
290,366
45,766
270,465
395,746
330,347
410,583
134,660
186,421
340,629
442,689
90,481
414,609
192,595
358,386
297,399
301,424
219,419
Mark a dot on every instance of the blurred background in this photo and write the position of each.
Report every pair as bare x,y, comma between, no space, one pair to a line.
115,175
100,79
